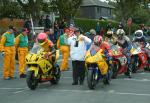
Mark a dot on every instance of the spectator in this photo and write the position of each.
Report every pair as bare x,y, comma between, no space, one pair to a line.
27,24
56,29
78,44
41,21
72,28
102,32
109,26
98,28
62,25
50,34
120,26
48,23
89,45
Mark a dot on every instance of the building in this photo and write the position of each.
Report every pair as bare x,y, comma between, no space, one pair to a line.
94,9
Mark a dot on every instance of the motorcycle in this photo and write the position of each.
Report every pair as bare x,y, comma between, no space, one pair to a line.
139,57
41,69
119,61
94,61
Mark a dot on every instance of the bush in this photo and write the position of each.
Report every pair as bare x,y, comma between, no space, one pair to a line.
87,24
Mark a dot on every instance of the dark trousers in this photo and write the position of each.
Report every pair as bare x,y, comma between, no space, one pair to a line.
78,71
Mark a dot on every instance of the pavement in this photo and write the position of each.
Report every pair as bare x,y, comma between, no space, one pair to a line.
120,90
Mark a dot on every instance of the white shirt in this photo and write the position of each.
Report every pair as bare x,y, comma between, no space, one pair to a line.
78,53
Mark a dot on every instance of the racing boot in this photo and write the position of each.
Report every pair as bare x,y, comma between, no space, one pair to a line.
106,80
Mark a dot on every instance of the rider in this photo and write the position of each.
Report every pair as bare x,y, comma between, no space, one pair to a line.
124,42
139,37
110,37
104,46
46,44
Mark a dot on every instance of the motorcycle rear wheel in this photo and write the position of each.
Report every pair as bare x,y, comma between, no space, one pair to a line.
57,74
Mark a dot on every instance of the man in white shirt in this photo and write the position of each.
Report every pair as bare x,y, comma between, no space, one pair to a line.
78,44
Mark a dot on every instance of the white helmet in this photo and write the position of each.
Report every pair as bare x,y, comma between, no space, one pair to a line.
120,32
139,34
109,32
92,31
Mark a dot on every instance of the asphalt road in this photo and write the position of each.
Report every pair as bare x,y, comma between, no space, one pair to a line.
121,90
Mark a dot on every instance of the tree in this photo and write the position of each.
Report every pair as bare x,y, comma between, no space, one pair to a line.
124,9
66,8
9,9
32,7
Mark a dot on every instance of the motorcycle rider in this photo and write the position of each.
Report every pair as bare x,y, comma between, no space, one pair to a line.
46,44
140,38
124,42
98,44
110,38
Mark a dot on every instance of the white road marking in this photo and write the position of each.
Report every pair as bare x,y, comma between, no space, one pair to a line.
134,94
94,91
138,80
78,91
20,91
11,88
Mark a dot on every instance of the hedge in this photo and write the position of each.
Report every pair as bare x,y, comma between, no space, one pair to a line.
87,24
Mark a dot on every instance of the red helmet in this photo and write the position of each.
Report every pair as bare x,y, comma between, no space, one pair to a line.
98,39
42,37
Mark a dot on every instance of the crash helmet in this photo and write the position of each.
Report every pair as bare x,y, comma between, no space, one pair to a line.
120,32
139,34
98,40
109,33
42,38
93,32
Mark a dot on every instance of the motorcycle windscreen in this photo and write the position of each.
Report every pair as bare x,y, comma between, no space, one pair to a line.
35,48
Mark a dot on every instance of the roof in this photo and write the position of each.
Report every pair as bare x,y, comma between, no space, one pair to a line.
95,3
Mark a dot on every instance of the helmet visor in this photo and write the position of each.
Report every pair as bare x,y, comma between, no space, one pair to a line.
138,34
41,41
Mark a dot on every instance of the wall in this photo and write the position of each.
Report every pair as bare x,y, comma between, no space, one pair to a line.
87,12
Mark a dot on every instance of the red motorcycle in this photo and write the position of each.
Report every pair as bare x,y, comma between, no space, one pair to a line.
140,59
119,61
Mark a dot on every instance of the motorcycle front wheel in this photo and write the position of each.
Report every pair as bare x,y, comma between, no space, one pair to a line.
91,75
115,70
32,82
135,64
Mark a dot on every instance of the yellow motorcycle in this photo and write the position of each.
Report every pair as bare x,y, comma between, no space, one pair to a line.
41,69
96,68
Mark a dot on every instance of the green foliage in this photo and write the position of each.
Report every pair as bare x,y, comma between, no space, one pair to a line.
66,8
141,16
137,9
10,9
87,24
